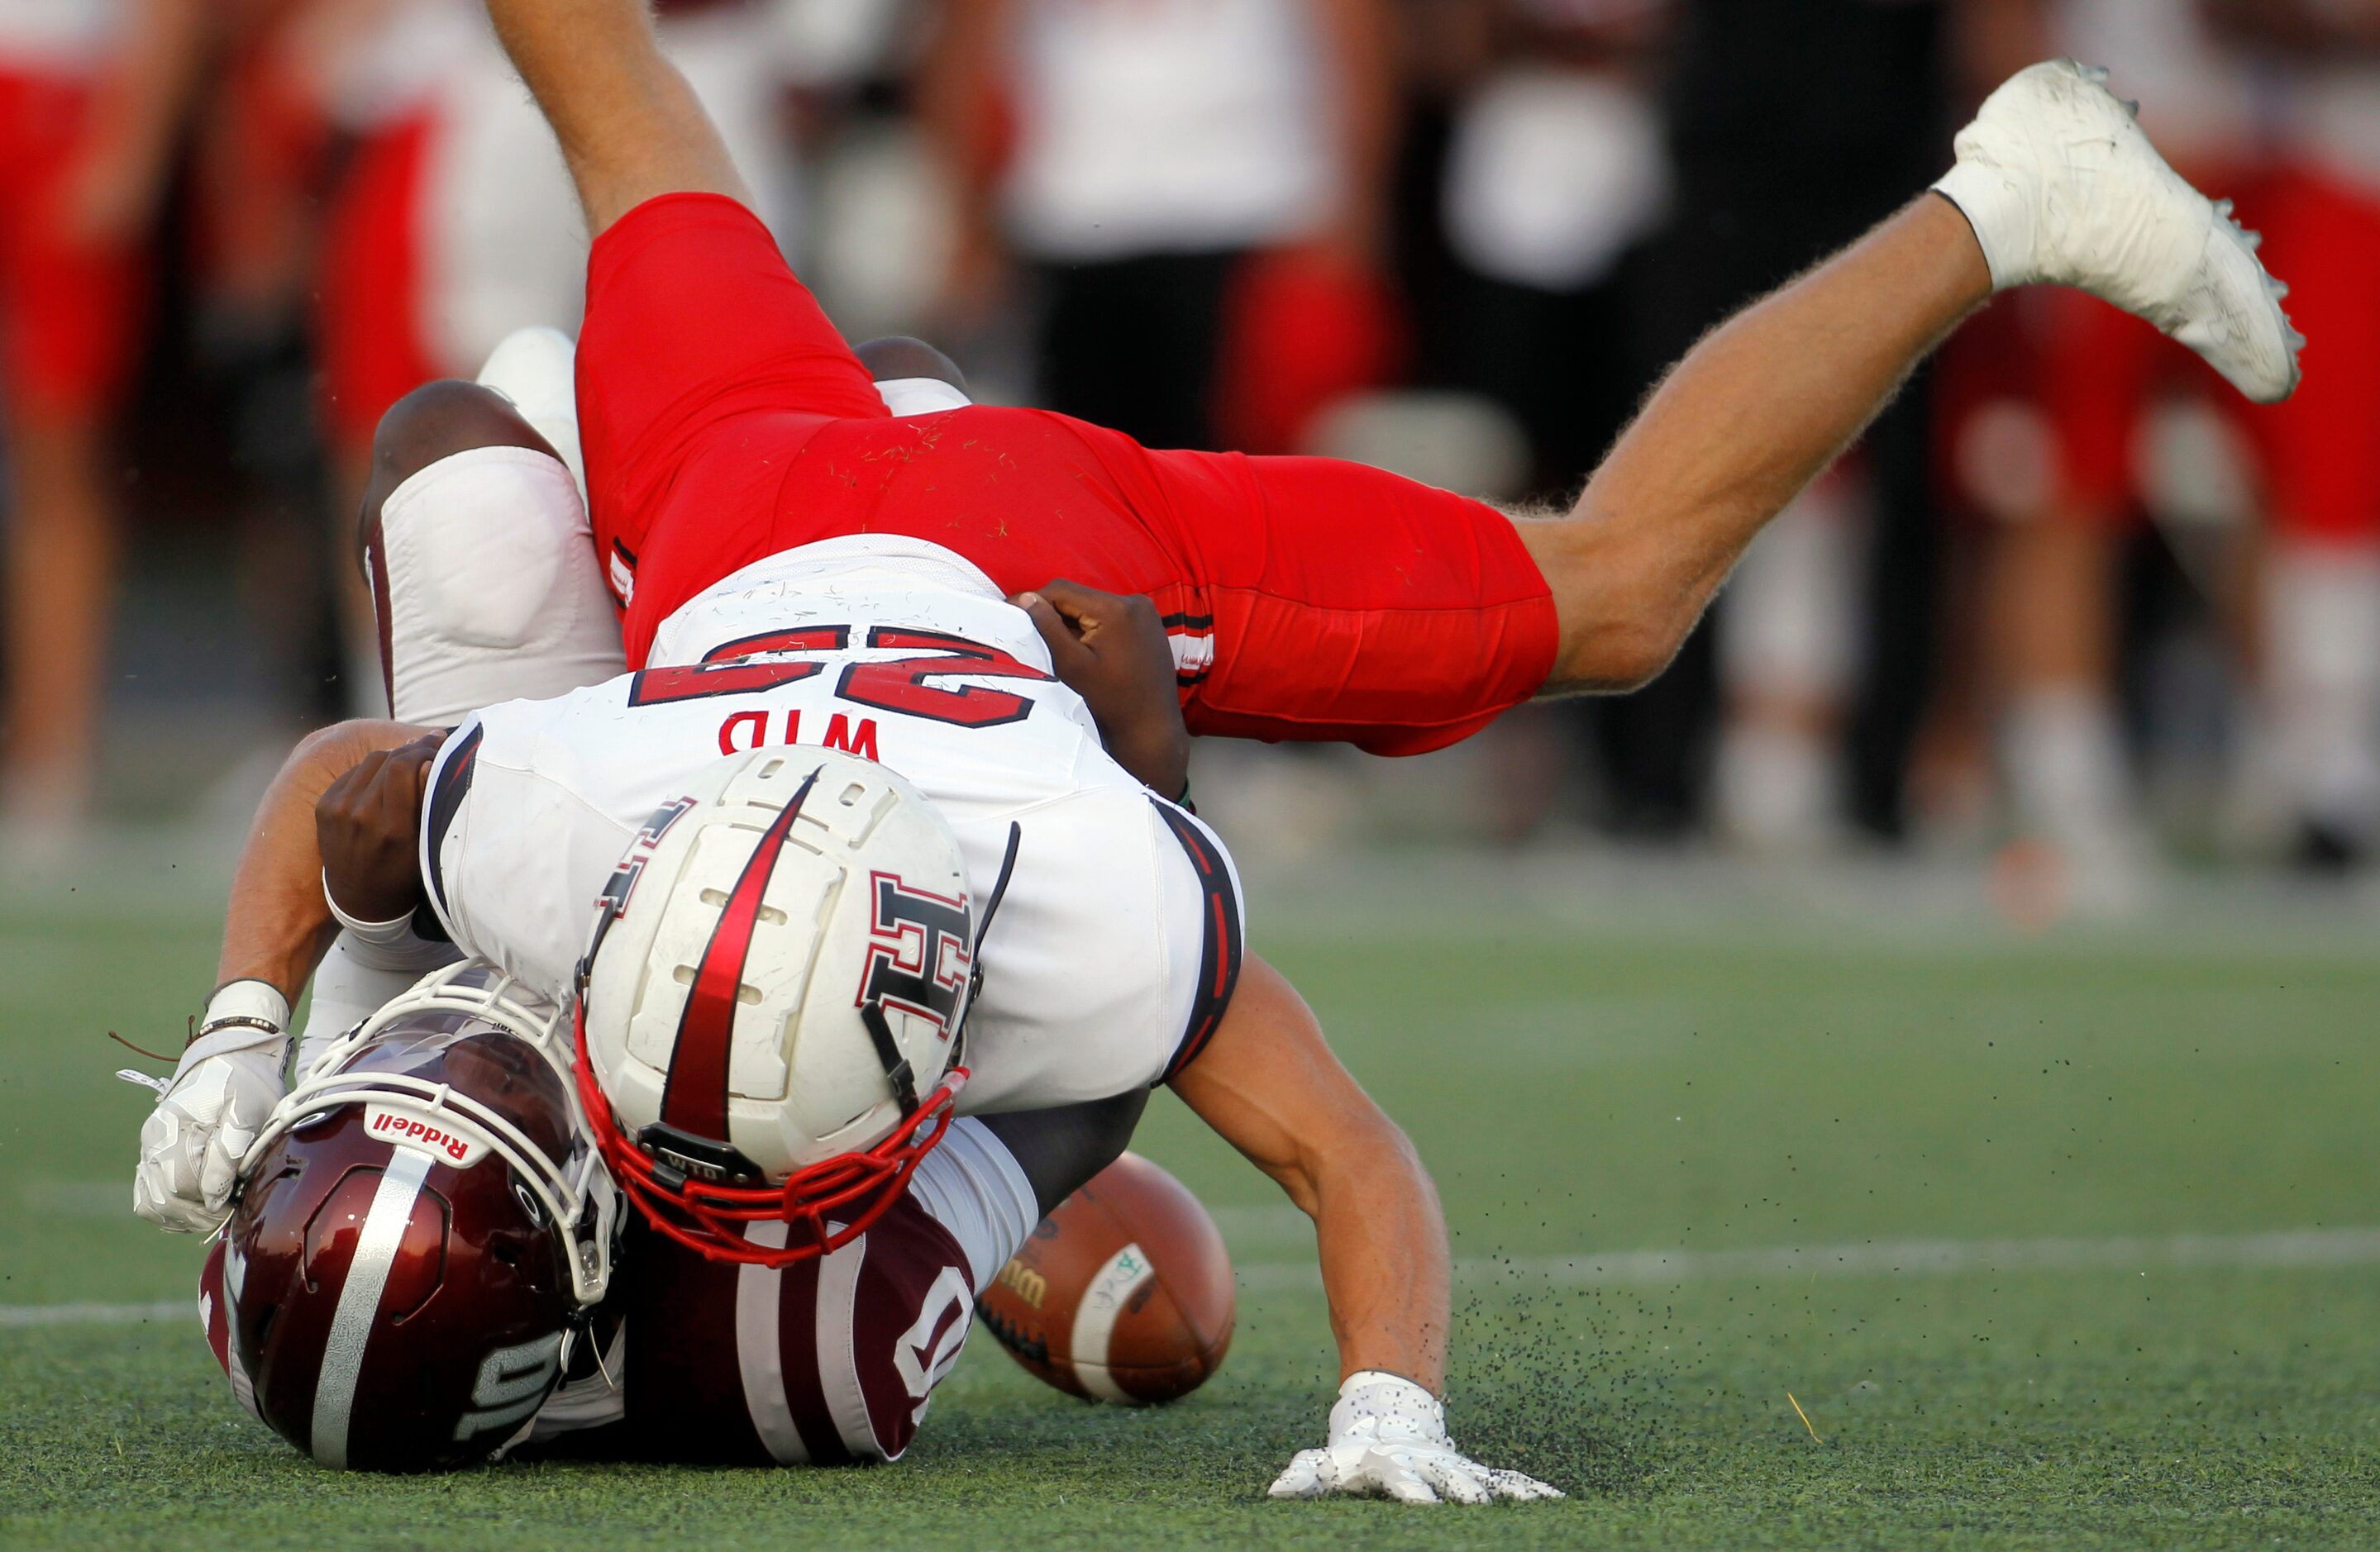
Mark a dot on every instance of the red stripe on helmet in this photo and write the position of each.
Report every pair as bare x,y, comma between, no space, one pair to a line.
694,1099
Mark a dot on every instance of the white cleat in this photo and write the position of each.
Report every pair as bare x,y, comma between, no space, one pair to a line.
2061,186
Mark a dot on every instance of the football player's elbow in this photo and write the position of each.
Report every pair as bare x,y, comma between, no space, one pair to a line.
1626,652
340,744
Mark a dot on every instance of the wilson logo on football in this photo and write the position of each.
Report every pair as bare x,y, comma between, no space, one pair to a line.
418,1132
1025,1282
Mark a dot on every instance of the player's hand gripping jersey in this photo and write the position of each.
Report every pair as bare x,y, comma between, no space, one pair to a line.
1114,949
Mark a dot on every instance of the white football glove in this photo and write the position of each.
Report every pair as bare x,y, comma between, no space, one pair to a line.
221,1094
1387,1440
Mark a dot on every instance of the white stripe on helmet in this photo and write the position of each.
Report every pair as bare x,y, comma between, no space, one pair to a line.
351,1324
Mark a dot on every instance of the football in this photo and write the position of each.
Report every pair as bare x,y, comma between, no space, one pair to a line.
1124,1295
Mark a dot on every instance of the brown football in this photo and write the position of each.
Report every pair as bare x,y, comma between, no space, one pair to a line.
1123,1294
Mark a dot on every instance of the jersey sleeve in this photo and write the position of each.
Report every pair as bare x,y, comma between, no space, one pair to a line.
1112,957
449,789
512,862
1204,902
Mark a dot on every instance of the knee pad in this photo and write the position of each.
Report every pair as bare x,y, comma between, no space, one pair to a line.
494,588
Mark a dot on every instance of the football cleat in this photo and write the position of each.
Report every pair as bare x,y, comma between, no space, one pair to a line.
2062,187
421,1229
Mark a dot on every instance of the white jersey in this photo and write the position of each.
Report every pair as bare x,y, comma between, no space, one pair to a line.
1113,951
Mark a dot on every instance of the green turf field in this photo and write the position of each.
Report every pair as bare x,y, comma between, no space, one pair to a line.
2079,1228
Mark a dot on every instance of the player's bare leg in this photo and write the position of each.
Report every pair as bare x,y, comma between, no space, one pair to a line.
61,577
1745,421
2056,184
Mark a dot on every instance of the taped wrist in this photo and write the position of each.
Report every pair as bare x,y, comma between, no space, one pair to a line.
251,1004
242,1015
378,934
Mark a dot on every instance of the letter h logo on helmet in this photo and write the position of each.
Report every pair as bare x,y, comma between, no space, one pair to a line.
920,955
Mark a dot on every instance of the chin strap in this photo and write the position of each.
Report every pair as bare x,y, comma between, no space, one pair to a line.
896,1066
982,931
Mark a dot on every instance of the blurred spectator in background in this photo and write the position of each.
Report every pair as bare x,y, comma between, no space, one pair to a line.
1791,128
1541,159
452,223
2059,419
2319,208
1555,172
261,150
91,93
1196,186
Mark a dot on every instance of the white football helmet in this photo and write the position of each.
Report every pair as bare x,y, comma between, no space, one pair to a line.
772,1002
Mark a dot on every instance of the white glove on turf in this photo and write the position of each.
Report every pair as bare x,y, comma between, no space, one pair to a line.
1387,1440
220,1097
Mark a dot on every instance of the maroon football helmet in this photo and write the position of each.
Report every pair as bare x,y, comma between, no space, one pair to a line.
421,1228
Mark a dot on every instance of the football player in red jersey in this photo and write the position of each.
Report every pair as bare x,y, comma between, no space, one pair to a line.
726,420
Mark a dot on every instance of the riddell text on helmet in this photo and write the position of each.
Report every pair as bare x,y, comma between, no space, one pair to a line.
400,1126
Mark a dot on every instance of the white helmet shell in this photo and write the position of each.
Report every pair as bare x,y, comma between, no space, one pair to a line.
759,926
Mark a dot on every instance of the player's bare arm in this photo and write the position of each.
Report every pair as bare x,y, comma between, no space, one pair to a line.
276,929
629,126
1269,1085
279,923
